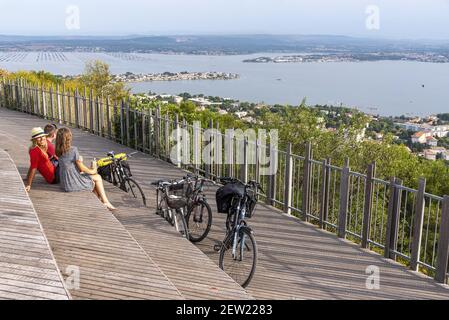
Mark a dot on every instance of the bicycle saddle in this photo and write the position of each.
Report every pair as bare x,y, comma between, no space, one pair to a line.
161,182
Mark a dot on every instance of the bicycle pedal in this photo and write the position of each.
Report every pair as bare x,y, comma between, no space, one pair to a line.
217,247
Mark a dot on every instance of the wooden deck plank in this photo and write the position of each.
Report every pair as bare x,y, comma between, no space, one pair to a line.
19,227
107,241
296,260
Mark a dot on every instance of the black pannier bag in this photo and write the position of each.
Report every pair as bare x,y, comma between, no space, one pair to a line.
225,195
106,173
251,203
126,168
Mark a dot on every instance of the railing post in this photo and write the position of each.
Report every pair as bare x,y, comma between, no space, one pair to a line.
150,132
306,181
128,138
58,101
77,119
52,104
122,122
100,112
108,119
272,177
393,218
208,163
196,147
244,166
91,111
218,149
288,179
186,156
369,188
178,141
418,225
157,131
84,99
69,108
344,200
166,137
324,209
229,152
144,127
63,112
257,159
44,103
443,244
136,135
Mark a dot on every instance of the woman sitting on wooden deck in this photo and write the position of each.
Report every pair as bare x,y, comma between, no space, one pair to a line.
71,168
39,159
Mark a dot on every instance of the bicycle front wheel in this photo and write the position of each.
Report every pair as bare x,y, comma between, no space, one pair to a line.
199,220
239,261
135,191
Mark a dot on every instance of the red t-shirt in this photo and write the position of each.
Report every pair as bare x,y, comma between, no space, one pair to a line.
39,160
51,150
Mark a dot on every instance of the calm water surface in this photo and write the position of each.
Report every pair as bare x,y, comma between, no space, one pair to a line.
387,87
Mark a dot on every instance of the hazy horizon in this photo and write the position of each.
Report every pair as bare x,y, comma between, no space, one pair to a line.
398,19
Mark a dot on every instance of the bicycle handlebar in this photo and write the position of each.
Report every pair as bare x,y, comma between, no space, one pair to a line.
250,184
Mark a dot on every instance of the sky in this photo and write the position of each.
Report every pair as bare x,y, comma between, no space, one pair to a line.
405,19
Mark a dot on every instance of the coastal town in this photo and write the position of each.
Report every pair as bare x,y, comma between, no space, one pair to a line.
354,57
427,137
173,76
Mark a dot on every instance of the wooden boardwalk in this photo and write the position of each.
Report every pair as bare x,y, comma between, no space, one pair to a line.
296,260
113,265
27,268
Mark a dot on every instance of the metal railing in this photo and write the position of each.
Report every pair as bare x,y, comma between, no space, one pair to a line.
408,225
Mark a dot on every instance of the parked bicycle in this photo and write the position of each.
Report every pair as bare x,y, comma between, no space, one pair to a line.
171,206
115,169
238,251
198,211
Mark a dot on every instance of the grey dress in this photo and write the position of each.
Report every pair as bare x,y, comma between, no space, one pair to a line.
70,177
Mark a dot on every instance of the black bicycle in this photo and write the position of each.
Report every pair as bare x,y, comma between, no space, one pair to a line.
116,170
198,211
171,205
238,251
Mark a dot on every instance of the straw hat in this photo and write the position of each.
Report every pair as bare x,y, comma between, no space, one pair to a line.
37,133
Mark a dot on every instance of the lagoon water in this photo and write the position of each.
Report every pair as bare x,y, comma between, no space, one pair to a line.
385,87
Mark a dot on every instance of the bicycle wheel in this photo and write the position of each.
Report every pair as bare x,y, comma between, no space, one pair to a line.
199,221
181,224
134,190
241,266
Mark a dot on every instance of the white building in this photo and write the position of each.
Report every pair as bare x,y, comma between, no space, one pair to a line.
241,114
421,137
431,141
435,131
431,154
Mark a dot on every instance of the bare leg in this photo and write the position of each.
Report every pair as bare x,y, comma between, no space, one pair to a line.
99,190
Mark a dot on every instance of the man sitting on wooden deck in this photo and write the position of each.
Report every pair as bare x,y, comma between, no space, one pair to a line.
39,159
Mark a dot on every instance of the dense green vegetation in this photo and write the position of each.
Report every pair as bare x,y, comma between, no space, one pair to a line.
335,132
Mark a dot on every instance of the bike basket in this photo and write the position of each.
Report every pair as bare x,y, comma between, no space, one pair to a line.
107,161
126,167
176,202
106,173
225,195
179,189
